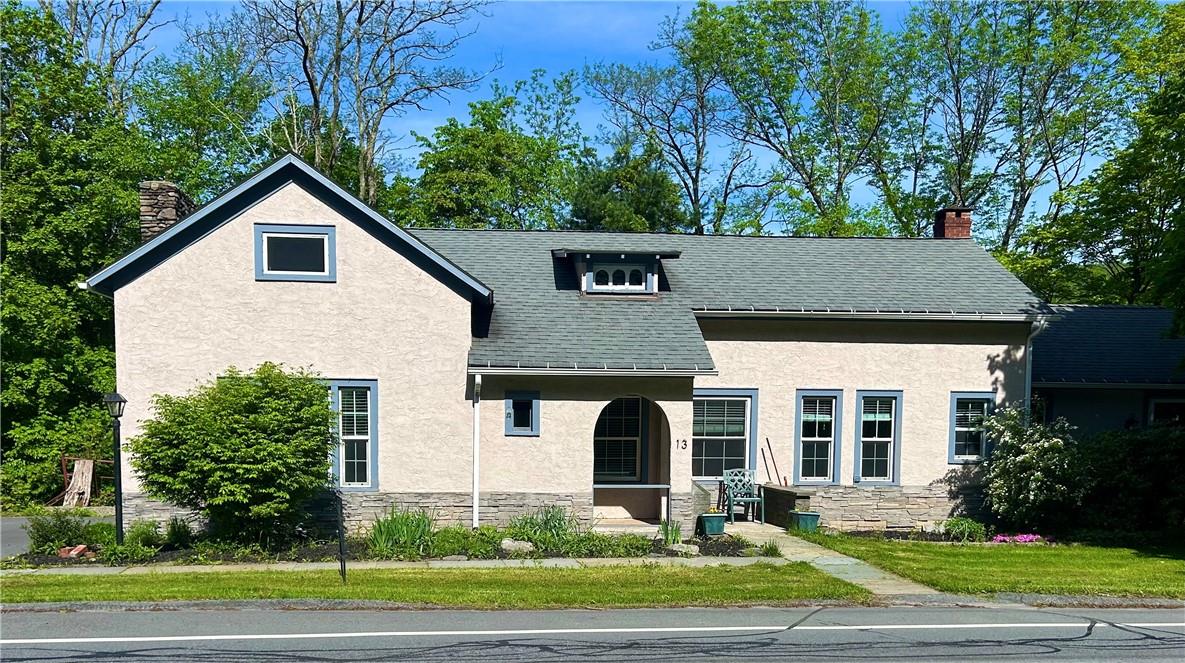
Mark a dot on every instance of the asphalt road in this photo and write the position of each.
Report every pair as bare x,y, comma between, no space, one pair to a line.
14,540
754,634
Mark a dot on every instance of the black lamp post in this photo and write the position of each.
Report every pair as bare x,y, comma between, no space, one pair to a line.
115,403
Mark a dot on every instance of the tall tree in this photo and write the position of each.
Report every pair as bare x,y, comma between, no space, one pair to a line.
69,163
629,192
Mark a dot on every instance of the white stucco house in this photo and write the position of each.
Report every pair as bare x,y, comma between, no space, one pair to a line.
484,373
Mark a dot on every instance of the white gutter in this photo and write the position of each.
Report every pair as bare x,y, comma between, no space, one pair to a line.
476,447
1038,326
864,315
610,372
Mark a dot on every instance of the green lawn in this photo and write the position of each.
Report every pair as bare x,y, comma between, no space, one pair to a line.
601,587
1038,569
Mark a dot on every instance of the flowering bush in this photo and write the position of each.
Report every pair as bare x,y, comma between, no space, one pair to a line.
1035,476
1018,538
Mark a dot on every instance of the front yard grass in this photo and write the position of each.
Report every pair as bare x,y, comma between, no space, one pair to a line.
599,587
1038,569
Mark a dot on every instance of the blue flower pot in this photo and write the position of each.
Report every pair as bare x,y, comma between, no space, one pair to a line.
711,524
804,521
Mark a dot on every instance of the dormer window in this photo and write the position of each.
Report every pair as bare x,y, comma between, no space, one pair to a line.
620,278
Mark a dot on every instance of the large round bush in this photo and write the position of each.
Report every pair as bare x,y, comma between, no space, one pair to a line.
247,450
1035,476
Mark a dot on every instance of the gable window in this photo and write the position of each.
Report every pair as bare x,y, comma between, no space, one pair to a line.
968,439
355,463
720,436
522,413
617,441
610,277
295,253
1167,411
819,415
878,436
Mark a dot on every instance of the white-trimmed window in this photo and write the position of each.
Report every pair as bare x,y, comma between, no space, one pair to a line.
1169,411
295,253
617,441
970,439
719,436
878,437
355,430
618,277
817,438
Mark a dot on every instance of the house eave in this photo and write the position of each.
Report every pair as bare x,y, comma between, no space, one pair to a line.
1082,384
592,372
851,314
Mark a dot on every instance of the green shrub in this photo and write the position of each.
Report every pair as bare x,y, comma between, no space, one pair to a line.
402,533
178,534
144,533
99,535
128,553
55,530
455,540
247,451
670,532
770,549
485,542
550,528
964,530
1134,480
1035,475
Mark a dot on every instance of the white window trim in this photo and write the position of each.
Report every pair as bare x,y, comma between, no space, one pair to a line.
830,447
342,439
891,439
745,437
982,439
267,235
645,287
1157,401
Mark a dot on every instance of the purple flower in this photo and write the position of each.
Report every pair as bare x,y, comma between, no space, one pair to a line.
1018,538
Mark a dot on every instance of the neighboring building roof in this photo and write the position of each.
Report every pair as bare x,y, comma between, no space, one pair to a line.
225,207
541,320
1109,345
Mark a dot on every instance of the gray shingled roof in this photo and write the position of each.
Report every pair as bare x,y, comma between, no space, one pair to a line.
1109,344
540,319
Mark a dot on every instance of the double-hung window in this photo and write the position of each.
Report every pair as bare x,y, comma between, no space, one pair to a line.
355,462
818,429
617,441
878,436
295,253
968,440
719,436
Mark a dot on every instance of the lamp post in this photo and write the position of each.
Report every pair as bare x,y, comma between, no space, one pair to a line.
115,402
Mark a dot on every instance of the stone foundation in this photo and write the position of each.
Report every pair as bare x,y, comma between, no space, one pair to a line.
892,507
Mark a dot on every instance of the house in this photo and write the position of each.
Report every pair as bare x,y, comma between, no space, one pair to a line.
486,373
1110,368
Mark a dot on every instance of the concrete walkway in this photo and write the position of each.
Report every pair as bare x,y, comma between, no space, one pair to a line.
794,549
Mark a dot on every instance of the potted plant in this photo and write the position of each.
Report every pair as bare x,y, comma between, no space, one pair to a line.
804,521
712,522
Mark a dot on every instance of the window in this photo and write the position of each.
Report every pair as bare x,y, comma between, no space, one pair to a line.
617,441
522,413
295,253
1167,411
355,461
877,436
818,429
968,440
621,279
720,436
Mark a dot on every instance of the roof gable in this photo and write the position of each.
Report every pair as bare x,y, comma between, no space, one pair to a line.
288,169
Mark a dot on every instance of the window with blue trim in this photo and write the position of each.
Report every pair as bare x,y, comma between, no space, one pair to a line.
719,436
878,436
355,462
295,253
818,428
968,439
522,413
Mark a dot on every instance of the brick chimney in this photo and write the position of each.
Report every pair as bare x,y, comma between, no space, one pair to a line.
952,223
161,205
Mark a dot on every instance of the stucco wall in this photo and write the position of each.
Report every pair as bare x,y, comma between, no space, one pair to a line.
1094,410
202,310
926,361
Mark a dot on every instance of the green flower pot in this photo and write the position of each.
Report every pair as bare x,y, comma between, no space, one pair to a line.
804,521
711,524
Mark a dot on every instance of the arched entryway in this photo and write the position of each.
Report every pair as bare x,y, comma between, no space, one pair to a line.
631,461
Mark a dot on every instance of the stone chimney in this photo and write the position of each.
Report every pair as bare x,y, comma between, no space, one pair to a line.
952,223
161,205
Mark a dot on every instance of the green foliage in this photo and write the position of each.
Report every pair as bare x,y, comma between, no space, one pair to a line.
128,553
144,533
964,530
69,165
247,451
178,534
99,535
628,193
770,549
402,533
549,528
670,532
1034,473
56,530
1133,480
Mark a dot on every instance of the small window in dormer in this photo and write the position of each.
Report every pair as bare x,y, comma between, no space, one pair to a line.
621,278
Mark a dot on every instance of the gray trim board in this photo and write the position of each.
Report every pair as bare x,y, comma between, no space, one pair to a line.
955,396
895,479
836,435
